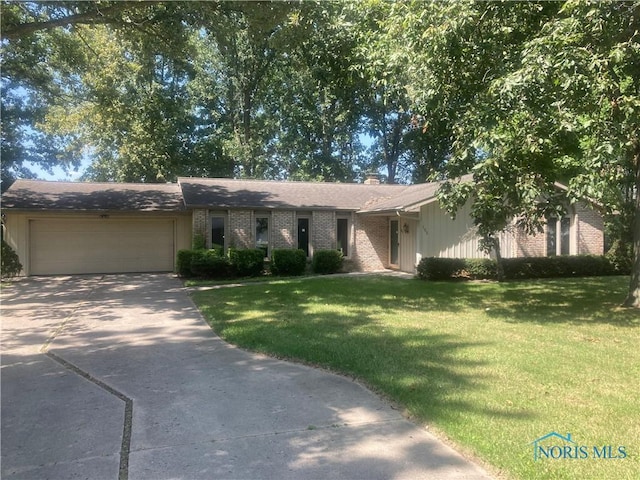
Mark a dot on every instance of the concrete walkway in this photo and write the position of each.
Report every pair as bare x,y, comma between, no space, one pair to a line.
120,377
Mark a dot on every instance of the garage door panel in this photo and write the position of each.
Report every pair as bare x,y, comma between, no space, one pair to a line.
65,246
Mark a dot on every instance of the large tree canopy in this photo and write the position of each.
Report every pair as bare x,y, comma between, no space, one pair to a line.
534,92
147,91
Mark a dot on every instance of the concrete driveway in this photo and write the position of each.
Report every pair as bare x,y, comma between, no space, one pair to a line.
107,377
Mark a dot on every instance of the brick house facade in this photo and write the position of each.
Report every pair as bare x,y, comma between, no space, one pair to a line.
369,218
376,226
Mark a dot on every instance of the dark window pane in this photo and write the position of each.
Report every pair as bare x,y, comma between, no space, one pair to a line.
565,228
303,235
343,236
217,232
551,236
262,234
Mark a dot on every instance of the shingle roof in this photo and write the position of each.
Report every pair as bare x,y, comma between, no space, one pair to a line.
228,193
79,196
217,193
407,200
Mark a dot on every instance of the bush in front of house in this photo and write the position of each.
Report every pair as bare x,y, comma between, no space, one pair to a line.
247,262
210,264
557,267
432,268
327,261
11,265
288,262
183,262
480,268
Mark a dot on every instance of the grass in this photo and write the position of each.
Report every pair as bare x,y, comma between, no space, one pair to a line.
490,366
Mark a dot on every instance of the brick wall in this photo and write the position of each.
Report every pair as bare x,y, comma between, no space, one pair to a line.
371,249
587,235
241,228
283,229
530,245
323,230
589,231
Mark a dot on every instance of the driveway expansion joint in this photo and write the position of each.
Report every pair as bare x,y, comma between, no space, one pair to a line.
125,447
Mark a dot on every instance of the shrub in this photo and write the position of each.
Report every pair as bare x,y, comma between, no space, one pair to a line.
516,268
247,262
555,267
288,262
480,268
620,256
327,261
11,265
432,268
199,241
183,262
210,264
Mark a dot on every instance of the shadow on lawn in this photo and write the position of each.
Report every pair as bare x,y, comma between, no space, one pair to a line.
336,325
595,300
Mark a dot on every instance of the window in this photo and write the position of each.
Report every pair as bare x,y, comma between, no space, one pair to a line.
217,232
262,234
303,235
342,234
394,242
558,236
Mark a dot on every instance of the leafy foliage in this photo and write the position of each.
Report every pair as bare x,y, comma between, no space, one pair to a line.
11,265
533,93
247,262
288,262
209,264
433,268
327,261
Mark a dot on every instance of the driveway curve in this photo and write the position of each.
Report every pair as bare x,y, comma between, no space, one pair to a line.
119,377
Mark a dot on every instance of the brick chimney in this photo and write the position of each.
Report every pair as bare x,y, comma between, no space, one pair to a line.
372,179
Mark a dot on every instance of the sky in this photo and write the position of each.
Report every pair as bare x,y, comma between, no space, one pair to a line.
57,174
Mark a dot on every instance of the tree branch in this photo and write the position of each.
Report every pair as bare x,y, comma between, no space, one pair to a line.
97,16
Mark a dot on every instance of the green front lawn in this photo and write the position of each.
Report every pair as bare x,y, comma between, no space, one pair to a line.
490,366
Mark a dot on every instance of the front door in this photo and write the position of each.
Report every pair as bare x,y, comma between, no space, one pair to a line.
303,235
394,243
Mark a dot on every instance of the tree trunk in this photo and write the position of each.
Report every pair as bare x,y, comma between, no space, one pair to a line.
633,298
499,265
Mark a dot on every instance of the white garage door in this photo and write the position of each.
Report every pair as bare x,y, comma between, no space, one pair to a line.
67,246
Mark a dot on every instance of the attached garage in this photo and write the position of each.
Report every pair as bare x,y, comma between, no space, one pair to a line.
70,246
61,228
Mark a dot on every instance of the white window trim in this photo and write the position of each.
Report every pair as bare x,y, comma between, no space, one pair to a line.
572,235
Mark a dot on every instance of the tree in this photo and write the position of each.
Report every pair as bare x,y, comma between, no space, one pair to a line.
45,62
152,90
540,91
412,142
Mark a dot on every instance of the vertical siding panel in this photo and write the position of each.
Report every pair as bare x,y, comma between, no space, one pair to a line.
445,237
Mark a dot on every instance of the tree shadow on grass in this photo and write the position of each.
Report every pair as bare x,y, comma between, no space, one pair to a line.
586,301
